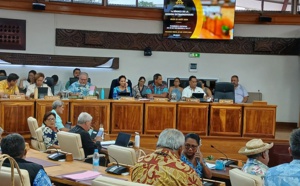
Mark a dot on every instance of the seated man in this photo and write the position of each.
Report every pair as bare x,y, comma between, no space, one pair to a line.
58,108
83,126
14,146
9,86
241,94
157,88
287,174
258,157
80,87
164,167
76,73
192,88
58,86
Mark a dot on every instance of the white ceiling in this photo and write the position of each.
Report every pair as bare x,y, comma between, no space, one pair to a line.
269,5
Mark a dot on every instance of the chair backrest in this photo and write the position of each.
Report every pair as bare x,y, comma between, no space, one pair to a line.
40,139
114,83
5,176
123,155
238,178
224,90
71,142
33,125
107,181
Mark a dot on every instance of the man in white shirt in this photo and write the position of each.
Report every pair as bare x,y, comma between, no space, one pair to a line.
241,94
192,88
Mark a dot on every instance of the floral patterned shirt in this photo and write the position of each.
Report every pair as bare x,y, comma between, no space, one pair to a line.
50,137
198,168
163,167
255,167
83,90
42,179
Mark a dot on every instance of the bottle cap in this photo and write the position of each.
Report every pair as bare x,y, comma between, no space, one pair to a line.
96,150
136,133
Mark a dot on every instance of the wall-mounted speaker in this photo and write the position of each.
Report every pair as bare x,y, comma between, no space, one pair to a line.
147,51
38,6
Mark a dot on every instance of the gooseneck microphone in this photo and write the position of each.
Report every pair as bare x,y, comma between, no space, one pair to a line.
114,159
219,152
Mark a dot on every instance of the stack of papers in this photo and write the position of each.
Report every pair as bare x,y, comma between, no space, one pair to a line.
210,165
106,143
86,175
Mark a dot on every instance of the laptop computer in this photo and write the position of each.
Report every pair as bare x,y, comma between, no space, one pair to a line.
123,139
124,94
199,96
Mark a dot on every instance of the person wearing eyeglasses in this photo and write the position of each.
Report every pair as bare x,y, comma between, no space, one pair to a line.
192,156
50,131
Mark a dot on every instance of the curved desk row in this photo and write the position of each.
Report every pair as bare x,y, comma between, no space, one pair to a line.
208,119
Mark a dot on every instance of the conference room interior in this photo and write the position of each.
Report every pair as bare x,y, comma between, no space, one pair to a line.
260,54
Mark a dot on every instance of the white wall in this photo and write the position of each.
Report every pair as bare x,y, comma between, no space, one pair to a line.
277,77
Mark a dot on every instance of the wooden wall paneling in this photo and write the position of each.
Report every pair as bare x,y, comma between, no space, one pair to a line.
259,121
98,109
225,119
127,116
14,115
43,106
159,116
193,117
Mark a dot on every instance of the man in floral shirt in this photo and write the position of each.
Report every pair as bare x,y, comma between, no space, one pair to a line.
81,87
258,157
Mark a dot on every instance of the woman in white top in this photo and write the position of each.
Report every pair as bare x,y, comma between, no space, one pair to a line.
25,82
39,82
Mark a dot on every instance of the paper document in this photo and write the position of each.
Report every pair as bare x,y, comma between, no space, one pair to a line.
87,175
210,165
106,143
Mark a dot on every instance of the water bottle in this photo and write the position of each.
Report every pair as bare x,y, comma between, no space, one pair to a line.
137,140
96,161
102,131
102,94
115,94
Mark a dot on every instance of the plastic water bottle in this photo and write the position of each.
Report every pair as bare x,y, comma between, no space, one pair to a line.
115,94
137,140
102,131
96,161
102,94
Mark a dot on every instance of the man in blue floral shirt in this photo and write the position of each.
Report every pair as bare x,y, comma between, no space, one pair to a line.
287,174
258,157
81,87
157,88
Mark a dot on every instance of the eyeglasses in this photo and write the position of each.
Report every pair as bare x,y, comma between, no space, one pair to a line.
188,146
51,119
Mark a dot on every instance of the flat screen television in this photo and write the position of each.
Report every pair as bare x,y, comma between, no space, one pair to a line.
199,19
224,90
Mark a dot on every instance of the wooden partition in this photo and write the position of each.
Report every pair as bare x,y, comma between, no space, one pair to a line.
225,119
192,117
43,106
99,109
159,116
14,114
127,116
259,120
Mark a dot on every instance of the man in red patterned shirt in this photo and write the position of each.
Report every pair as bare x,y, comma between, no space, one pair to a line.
164,167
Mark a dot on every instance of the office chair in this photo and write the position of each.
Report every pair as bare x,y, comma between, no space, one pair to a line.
36,143
3,78
123,155
50,82
39,137
224,90
238,178
114,83
107,181
5,177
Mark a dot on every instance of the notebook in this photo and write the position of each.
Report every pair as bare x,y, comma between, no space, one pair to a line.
86,175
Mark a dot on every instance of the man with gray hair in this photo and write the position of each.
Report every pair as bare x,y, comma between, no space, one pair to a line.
81,87
58,108
165,163
83,126
287,174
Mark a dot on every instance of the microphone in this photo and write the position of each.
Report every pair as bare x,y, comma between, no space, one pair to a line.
114,159
220,152
116,169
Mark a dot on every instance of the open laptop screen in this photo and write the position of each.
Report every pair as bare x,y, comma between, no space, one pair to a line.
197,95
124,94
123,139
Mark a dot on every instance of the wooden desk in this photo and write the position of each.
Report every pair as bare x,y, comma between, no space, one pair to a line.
99,109
14,114
127,116
259,121
44,106
225,119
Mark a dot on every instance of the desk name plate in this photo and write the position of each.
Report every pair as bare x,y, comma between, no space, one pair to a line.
52,97
226,101
16,96
161,99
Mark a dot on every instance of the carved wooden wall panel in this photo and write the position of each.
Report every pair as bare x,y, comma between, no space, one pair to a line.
12,34
132,41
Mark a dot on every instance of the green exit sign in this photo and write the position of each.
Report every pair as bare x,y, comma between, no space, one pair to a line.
194,55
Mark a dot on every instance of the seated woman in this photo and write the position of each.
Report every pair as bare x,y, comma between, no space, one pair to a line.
192,156
39,82
123,86
139,90
50,131
176,89
25,82
206,90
